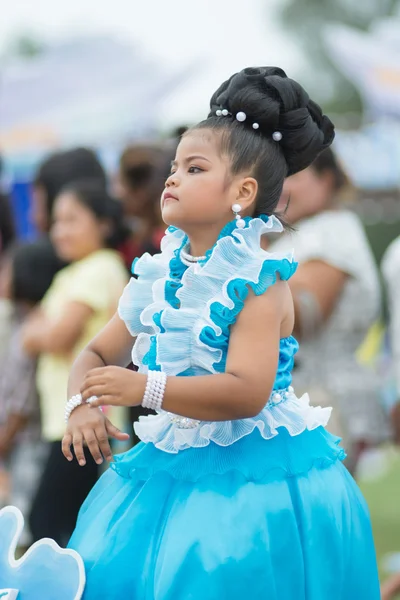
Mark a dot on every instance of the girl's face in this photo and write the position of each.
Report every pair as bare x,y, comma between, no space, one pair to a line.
200,191
76,231
308,193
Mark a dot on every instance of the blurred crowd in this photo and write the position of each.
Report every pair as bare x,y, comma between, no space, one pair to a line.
59,290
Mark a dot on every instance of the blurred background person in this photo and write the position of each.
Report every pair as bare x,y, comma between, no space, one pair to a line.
25,276
336,293
7,237
391,274
143,169
88,225
54,173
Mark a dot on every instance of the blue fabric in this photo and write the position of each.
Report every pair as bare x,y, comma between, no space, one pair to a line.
280,519
186,313
259,508
45,571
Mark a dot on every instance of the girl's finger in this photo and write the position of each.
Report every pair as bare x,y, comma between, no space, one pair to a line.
102,439
103,400
97,390
66,446
97,373
92,443
116,433
78,449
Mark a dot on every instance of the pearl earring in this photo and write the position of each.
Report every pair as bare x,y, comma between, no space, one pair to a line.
240,223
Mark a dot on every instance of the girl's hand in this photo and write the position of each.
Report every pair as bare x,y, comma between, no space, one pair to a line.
113,386
89,426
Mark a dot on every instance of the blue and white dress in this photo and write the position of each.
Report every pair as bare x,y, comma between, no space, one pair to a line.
258,508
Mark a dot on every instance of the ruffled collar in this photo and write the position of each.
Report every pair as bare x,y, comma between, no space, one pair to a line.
250,233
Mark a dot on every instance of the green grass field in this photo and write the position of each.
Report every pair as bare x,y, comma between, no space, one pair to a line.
383,496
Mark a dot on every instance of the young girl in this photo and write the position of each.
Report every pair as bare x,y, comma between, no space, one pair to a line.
81,300
237,491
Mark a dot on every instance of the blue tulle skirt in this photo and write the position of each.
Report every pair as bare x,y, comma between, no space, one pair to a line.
277,519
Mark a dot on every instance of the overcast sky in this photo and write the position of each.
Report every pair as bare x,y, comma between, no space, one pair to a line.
221,36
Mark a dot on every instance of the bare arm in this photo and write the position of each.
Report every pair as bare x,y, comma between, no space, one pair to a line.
316,288
242,391
112,346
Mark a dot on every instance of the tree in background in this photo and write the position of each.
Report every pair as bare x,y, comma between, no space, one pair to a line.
305,19
24,45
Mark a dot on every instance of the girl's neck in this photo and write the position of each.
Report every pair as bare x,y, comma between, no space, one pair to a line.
202,241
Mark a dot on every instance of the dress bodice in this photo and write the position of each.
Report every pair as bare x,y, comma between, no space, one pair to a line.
181,318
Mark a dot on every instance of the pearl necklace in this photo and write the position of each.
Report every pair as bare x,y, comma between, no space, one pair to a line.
190,260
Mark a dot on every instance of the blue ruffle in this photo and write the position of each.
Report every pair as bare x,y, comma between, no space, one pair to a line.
209,296
172,285
238,290
279,457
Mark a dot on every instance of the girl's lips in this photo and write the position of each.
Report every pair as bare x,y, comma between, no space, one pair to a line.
169,197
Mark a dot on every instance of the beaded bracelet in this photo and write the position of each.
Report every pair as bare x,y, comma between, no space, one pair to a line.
73,403
155,389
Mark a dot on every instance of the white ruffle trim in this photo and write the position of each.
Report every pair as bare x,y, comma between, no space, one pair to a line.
295,414
235,257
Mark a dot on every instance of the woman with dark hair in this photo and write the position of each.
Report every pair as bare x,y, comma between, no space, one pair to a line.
336,295
57,171
88,226
237,490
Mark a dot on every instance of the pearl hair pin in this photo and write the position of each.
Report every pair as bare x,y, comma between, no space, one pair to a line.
241,117
222,112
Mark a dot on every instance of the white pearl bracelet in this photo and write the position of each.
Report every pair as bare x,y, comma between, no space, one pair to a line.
155,389
71,405
74,402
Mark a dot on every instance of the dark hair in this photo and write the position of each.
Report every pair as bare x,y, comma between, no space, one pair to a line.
34,266
7,226
142,166
92,195
327,161
62,168
277,104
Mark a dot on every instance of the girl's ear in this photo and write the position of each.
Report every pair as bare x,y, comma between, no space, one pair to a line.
247,193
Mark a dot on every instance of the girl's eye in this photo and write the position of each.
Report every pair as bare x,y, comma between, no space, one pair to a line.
195,170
